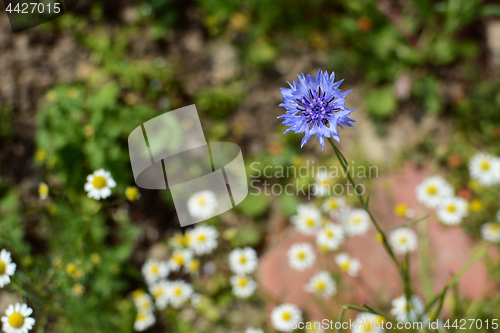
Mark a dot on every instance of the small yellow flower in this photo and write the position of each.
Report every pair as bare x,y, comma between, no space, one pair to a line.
193,266
95,258
132,193
57,261
71,269
40,155
52,96
43,191
476,205
474,185
401,209
379,238
73,92
78,290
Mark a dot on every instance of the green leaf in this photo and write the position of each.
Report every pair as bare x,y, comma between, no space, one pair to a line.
253,205
381,102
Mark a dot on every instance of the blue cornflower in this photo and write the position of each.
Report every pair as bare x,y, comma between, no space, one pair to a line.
315,105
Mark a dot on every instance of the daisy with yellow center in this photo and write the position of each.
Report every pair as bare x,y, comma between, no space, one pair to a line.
177,241
179,293
160,291
323,184
403,240
193,266
321,284
154,270
17,319
78,290
144,303
301,256
202,239
330,237
334,206
307,220
7,268
403,312
99,184
144,320
202,205
132,193
243,261
243,286
491,232
452,211
432,191
347,264
485,169
357,222
179,258
285,317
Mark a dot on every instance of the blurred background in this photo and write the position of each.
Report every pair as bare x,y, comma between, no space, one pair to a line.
426,87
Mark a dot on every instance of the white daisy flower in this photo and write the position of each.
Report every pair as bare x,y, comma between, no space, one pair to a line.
203,204
179,258
17,319
192,266
254,330
179,293
99,184
334,206
285,317
323,183
177,241
330,237
357,222
321,284
347,264
484,168
202,239
144,303
154,270
452,211
301,256
403,240
143,321
243,261
372,323
7,268
160,292
407,312
498,216
243,286
491,232
307,220
432,191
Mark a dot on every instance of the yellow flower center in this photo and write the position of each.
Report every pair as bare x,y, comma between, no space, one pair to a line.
369,324
356,220
330,234
451,208
320,286
344,267
242,282
301,255
431,190
243,259
155,268
201,238
141,316
485,165
132,193
310,222
286,316
16,320
400,210
201,201
177,291
178,258
333,204
194,265
494,228
178,240
99,182
403,240
2,267
158,293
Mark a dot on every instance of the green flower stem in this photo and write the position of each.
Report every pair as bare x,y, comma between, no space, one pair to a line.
364,203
